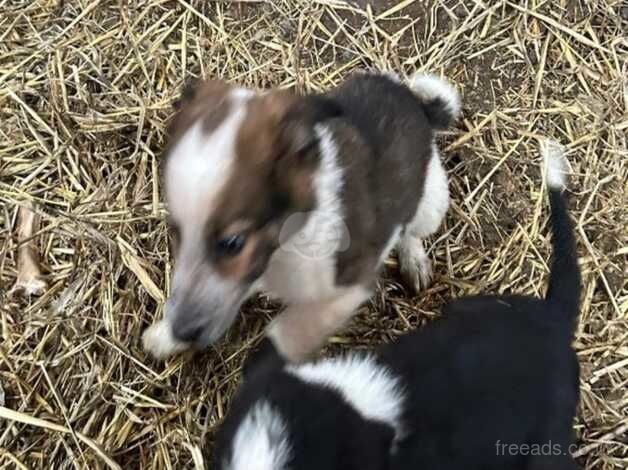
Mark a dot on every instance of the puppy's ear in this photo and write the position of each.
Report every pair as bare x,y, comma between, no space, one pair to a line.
297,134
198,98
264,360
294,118
187,92
297,149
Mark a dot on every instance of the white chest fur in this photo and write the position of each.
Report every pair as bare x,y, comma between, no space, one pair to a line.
304,266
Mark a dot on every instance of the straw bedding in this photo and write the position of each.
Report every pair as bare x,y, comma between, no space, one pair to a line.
86,88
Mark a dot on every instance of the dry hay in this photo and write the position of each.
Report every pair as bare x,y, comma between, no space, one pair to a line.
86,87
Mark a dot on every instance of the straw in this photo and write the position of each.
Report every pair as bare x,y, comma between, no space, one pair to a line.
86,91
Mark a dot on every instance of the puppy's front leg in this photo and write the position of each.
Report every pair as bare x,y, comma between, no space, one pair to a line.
303,328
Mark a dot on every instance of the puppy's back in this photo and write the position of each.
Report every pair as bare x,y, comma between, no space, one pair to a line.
499,370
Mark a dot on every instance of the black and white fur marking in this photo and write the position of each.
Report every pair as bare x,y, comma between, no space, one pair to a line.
496,372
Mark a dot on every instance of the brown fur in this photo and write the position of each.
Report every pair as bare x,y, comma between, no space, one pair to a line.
206,99
270,171
270,176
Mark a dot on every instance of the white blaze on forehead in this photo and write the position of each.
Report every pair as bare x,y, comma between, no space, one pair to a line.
370,388
201,162
261,441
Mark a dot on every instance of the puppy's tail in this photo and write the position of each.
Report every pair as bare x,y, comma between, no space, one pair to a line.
564,282
441,101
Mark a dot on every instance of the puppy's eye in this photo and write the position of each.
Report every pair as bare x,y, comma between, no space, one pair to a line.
231,245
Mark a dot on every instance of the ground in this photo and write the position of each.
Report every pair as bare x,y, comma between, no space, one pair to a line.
86,89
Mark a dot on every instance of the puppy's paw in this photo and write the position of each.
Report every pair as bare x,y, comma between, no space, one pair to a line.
418,276
159,342
415,266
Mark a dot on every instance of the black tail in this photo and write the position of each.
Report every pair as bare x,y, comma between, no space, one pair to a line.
564,282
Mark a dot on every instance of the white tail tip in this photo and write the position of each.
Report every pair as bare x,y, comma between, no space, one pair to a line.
556,164
429,86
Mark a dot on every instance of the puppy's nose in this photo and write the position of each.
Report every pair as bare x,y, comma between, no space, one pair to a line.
186,332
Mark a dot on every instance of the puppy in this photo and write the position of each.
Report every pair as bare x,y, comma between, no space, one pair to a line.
492,386
301,197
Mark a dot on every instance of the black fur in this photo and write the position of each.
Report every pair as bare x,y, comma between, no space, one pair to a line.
314,442
263,360
563,292
496,372
188,91
438,113
386,141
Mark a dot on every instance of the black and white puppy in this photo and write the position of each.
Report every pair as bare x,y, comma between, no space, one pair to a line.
301,197
494,385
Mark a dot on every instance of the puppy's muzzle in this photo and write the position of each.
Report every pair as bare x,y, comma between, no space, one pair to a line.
190,324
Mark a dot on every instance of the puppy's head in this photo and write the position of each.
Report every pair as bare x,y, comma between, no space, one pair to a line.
237,165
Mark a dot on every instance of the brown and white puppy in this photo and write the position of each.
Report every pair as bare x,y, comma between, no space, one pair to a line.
300,197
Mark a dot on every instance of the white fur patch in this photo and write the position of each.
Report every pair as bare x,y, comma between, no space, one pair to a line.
325,232
261,442
295,276
200,164
394,76
370,388
329,179
434,201
198,168
390,244
159,342
556,164
429,86
415,265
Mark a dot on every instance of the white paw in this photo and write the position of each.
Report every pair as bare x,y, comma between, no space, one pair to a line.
159,342
415,266
426,275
